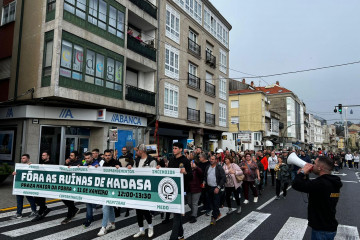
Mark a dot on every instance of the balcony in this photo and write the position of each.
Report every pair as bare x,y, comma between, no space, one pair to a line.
193,115
140,47
138,95
194,48
193,81
146,6
210,89
210,119
210,59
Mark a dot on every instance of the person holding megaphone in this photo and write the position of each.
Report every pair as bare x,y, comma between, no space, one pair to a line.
324,192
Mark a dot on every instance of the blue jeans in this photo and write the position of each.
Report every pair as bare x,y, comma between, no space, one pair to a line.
89,211
322,235
108,215
20,203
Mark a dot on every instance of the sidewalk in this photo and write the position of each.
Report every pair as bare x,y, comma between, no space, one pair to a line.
7,200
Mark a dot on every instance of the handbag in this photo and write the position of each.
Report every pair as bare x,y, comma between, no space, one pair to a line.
257,182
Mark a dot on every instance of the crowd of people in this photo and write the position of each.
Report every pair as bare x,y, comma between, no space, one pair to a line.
211,179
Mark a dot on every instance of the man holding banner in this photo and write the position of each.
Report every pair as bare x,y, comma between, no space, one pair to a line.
143,161
73,160
40,201
180,161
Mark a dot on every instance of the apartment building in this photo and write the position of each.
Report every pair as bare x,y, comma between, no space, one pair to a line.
75,71
291,110
193,72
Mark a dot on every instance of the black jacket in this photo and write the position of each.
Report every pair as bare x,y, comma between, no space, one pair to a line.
182,162
74,163
219,173
129,159
324,194
203,167
111,163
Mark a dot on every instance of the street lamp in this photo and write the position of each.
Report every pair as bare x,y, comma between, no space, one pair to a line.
238,130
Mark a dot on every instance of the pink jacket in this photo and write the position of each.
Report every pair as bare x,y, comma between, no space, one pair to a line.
238,171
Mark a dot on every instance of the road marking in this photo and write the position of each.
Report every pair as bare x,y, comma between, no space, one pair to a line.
270,200
27,210
27,205
243,228
132,229
294,228
347,232
72,232
40,226
191,228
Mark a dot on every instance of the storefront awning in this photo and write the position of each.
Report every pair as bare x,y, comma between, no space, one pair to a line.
269,143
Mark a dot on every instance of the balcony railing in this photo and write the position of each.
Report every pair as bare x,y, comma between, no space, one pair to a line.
138,95
210,59
193,115
193,81
210,88
194,47
141,48
209,118
146,6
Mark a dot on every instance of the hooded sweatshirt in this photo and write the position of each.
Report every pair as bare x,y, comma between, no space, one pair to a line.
324,192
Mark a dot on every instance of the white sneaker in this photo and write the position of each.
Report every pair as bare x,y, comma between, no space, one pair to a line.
141,233
16,216
255,199
246,201
150,232
110,227
102,232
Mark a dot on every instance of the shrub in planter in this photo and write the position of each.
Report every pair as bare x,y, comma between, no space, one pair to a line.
5,171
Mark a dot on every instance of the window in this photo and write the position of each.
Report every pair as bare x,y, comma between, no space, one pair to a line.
234,104
257,136
222,115
171,62
234,120
8,13
107,18
215,27
209,107
222,88
192,69
172,24
193,36
171,100
93,70
223,61
51,5
192,102
191,7
48,58
77,7
209,77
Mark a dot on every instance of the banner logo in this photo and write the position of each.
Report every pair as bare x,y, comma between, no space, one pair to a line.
167,190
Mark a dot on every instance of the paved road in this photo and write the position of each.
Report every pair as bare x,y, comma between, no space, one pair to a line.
267,219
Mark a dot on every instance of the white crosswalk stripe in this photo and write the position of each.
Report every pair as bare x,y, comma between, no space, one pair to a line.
79,229
192,228
244,227
294,228
347,232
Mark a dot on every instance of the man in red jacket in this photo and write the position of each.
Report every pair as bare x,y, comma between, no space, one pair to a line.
264,161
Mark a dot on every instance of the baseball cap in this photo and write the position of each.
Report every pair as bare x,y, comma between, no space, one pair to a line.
219,150
140,147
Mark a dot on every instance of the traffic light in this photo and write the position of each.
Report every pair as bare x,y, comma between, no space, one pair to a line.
340,108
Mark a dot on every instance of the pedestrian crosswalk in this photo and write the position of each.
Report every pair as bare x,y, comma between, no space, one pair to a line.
242,228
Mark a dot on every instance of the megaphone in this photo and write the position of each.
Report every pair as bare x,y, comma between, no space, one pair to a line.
295,160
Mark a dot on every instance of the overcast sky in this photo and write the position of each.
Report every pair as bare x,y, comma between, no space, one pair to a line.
281,36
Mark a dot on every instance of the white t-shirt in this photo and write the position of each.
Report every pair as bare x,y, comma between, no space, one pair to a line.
356,158
348,157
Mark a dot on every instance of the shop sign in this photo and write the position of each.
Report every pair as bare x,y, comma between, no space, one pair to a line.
213,136
245,136
126,119
140,188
